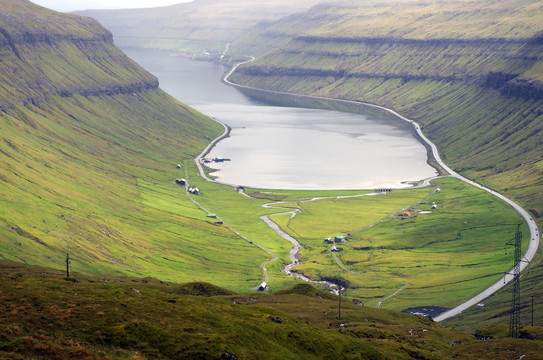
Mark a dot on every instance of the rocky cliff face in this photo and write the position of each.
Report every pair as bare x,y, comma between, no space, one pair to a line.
494,63
40,57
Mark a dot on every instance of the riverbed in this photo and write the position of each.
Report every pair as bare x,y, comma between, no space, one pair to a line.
275,145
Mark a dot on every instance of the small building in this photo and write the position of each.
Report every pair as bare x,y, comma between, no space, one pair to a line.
329,240
181,181
336,249
218,159
340,238
405,215
194,191
178,166
211,215
262,286
434,206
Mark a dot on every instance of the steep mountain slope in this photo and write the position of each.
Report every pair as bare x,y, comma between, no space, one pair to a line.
88,148
468,71
195,27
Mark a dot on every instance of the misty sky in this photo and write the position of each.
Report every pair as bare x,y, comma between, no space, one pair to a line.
72,5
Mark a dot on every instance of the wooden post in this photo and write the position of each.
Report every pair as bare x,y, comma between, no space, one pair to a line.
339,303
67,266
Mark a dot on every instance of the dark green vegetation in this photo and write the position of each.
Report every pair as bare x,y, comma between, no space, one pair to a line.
90,317
469,72
88,148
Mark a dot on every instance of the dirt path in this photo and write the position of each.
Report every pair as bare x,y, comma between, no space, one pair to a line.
264,264
297,247
533,244
433,153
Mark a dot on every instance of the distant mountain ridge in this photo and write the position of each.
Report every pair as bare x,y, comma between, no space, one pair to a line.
470,72
35,71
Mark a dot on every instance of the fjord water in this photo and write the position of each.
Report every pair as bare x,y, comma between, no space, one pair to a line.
281,146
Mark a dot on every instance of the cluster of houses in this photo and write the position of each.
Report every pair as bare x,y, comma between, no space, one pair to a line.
336,240
407,214
183,182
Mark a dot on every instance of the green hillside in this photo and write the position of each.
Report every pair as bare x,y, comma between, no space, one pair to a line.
468,71
195,27
88,152
92,317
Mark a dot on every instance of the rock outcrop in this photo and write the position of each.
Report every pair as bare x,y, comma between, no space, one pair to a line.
40,57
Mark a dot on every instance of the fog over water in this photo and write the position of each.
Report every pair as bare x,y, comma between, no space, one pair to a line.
286,147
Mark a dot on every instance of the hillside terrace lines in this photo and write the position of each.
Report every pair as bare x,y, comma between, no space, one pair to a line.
108,90
434,153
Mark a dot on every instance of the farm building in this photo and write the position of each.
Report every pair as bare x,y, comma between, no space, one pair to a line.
340,238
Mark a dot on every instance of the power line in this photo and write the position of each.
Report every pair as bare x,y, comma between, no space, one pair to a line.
514,319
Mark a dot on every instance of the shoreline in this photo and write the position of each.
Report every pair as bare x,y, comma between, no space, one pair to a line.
433,156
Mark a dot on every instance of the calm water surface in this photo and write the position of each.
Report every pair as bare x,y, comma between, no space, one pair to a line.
287,147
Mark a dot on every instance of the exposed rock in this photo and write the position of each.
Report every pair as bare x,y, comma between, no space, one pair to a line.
358,302
228,356
479,336
526,335
275,319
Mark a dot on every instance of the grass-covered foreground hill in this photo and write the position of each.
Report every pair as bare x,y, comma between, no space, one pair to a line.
470,72
44,316
88,151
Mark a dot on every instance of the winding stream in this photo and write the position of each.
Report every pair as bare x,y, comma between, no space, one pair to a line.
331,176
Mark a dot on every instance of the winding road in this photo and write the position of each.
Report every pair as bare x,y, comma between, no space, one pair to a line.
532,225
287,269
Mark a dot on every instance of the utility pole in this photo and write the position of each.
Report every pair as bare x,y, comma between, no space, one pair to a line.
339,303
514,320
67,266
